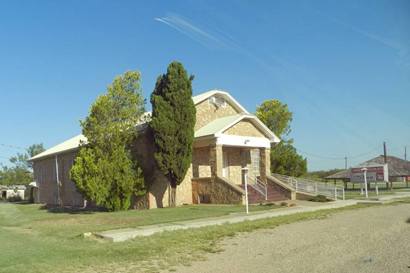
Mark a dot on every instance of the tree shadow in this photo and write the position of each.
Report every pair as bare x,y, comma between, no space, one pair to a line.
73,210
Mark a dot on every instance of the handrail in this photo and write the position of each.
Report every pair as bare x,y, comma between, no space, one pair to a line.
259,186
311,187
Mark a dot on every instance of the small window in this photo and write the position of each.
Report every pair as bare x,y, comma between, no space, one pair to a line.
218,101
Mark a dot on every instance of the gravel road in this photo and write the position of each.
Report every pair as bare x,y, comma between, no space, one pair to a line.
364,240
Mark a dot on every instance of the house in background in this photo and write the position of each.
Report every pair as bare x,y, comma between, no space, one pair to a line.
228,139
12,192
399,169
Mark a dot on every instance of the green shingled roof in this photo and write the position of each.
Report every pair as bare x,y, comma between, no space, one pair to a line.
216,125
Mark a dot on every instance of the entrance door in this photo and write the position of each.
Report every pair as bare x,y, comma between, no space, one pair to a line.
225,167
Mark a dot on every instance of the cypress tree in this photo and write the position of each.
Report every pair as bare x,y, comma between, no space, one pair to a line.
173,121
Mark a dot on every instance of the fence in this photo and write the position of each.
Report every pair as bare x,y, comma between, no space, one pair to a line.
304,185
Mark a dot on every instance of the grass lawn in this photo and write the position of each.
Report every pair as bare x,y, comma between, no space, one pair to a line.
355,194
34,240
382,186
372,194
73,223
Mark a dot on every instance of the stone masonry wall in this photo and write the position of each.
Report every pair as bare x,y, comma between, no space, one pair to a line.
207,112
244,128
200,162
157,183
207,190
235,163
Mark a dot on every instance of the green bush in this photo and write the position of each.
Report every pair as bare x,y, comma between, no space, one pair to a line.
319,198
284,204
16,198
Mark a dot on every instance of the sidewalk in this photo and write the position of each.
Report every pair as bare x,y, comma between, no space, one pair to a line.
120,235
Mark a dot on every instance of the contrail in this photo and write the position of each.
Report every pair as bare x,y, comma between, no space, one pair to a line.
185,27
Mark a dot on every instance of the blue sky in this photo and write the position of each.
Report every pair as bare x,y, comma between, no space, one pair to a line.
343,67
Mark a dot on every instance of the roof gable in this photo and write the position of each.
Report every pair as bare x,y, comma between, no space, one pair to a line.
215,127
201,97
68,145
218,126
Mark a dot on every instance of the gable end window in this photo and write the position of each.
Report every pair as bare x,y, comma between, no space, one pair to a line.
217,101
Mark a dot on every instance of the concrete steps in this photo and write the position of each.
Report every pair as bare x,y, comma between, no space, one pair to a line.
255,196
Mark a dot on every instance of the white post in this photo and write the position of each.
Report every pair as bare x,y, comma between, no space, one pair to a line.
316,188
57,182
343,193
377,189
266,191
245,177
365,181
335,193
296,185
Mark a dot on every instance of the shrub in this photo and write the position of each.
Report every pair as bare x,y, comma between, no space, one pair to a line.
319,198
284,204
15,198
104,170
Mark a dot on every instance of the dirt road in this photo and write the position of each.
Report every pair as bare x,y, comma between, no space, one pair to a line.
364,240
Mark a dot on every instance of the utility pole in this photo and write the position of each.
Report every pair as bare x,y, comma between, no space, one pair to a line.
385,152
385,162
345,162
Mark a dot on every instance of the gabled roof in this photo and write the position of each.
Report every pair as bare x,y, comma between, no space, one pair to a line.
345,174
203,96
218,126
68,145
396,166
214,127
74,142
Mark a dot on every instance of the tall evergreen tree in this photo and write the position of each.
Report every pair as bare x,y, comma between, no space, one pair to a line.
104,170
173,121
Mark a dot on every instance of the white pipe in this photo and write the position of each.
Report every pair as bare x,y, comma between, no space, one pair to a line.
58,182
245,176
365,183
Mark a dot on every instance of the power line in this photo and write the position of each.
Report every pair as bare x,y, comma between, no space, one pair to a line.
12,146
338,157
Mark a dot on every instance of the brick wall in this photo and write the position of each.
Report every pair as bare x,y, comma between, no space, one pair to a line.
45,175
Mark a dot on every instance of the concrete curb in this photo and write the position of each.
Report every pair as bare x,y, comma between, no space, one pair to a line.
120,235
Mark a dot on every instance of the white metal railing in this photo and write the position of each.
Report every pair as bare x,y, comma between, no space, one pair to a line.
258,185
312,186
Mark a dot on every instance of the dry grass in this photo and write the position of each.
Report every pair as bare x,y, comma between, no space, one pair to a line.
51,242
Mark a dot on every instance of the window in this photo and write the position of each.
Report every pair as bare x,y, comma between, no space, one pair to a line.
217,101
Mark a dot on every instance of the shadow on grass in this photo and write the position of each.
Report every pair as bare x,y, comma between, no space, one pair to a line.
408,221
73,210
